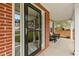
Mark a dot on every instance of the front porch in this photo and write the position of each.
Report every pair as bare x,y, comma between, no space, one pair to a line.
63,47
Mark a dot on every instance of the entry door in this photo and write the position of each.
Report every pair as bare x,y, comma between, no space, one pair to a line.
32,29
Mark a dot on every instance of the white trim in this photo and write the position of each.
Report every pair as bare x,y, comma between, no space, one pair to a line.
43,30
17,46
71,29
22,29
13,31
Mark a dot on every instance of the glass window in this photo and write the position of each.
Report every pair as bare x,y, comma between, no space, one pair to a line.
17,29
33,30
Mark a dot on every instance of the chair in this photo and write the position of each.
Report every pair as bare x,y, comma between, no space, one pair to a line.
54,37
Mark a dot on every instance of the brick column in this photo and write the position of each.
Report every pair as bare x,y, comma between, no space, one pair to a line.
5,29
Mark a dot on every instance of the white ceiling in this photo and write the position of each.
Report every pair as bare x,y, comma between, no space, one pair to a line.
60,11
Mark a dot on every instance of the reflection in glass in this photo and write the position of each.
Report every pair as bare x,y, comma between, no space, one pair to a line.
17,29
33,30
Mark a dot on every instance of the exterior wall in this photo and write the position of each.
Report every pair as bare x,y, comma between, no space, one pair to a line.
5,29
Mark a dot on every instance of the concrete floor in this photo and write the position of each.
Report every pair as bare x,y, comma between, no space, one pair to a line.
63,47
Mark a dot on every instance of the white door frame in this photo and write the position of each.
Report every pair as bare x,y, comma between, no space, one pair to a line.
21,29
13,31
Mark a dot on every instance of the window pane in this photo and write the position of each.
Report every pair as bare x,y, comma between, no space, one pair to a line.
17,29
33,30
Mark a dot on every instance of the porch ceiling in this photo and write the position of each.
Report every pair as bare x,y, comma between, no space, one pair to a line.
60,11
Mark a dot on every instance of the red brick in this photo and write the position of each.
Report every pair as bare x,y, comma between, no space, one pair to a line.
1,27
8,52
8,21
2,37
9,27
8,42
5,22
8,9
2,7
8,15
1,20
2,51
2,34
2,14
6,5
4,11
2,44
1,40
9,4
2,54
8,18
9,47
1,48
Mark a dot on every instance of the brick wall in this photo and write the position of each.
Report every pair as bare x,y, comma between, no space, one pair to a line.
5,29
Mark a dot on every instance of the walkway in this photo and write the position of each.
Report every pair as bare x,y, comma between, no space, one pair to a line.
63,47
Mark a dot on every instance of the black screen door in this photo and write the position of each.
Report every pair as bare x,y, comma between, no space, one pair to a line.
32,29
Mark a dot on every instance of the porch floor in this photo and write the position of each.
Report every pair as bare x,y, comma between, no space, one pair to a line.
63,47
